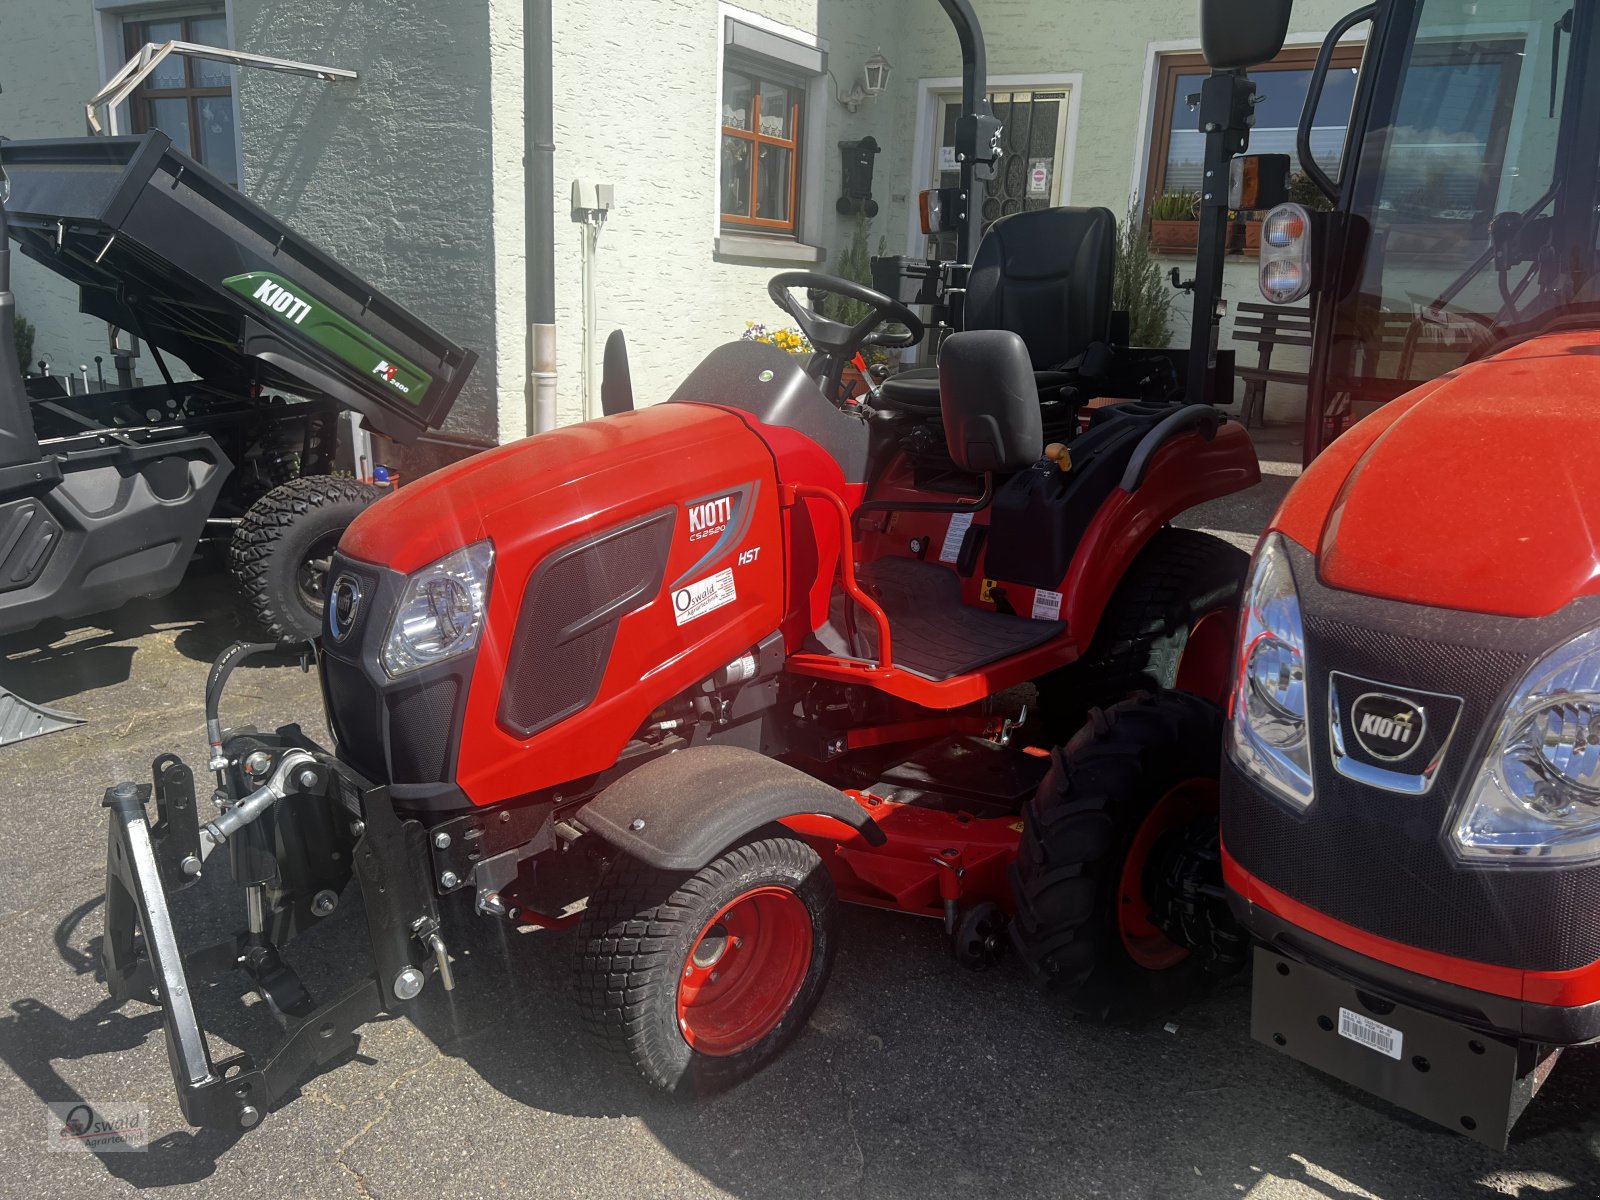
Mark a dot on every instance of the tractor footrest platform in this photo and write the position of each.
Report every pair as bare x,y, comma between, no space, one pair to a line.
935,635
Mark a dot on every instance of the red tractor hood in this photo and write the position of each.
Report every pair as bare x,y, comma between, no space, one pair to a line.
1478,491
556,484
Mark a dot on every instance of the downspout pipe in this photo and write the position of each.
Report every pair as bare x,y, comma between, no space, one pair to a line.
539,222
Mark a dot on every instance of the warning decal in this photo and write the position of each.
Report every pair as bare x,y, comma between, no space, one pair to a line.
1046,606
703,596
954,536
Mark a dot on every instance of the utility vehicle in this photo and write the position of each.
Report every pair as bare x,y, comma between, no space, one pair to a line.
1411,791
105,495
689,675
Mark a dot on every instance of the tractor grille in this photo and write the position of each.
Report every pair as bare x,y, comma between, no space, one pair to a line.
397,731
354,716
569,618
421,722
1378,859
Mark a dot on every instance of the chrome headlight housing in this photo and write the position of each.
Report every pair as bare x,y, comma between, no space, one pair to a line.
442,611
1536,795
1268,734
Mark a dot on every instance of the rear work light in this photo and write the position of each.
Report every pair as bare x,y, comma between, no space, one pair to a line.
940,210
1286,254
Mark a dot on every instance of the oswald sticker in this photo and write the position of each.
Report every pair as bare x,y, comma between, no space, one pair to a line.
703,596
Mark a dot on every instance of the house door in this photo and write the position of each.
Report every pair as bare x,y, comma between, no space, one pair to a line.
1033,142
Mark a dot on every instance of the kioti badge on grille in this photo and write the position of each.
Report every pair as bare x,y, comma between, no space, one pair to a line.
344,604
1388,727
1386,736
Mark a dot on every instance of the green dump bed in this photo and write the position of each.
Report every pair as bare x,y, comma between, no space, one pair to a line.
159,246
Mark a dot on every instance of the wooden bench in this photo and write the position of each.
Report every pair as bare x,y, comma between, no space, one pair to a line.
1268,326
1397,342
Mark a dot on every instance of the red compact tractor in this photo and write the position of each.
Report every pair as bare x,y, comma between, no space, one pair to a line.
688,676
1411,791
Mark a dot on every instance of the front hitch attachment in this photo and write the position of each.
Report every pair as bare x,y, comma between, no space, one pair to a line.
143,960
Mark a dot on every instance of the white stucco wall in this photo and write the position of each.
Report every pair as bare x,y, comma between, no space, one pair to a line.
637,96
638,106
391,174
415,175
49,68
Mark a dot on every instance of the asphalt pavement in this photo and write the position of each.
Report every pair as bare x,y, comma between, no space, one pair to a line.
915,1078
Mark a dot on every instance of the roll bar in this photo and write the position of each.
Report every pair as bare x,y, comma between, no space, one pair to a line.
976,129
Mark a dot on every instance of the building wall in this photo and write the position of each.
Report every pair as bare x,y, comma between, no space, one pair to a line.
414,175
1111,47
391,174
49,68
638,105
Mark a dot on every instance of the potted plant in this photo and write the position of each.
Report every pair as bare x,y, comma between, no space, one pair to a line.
788,338
1175,222
1139,288
1303,190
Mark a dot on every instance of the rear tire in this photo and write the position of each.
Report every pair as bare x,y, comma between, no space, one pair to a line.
700,980
278,546
1134,784
1179,581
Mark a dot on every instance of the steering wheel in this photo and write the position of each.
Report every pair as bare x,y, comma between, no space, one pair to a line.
835,342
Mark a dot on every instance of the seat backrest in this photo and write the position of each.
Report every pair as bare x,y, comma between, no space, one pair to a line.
1046,276
989,402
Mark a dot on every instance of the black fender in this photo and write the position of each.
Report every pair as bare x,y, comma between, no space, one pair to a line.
1186,418
679,811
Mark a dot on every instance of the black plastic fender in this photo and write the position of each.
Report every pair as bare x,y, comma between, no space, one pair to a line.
679,811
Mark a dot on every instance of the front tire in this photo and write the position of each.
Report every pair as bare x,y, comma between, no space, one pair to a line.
701,980
279,551
1118,847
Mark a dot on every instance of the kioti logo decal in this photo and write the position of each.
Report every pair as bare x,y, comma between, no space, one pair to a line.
710,517
282,301
1387,727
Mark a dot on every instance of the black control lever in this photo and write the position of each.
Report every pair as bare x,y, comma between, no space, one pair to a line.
1183,285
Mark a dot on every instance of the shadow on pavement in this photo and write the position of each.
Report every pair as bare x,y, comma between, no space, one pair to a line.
59,659
914,1078
35,1037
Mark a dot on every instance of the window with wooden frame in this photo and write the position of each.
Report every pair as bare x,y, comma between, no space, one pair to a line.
188,99
1177,147
760,151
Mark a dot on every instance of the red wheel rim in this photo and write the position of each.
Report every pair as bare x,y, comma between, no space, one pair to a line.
1145,943
1206,665
744,971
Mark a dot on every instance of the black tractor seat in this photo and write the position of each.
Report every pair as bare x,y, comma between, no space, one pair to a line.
919,387
932,633
1046,276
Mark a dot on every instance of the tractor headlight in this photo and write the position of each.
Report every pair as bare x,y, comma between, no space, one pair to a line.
441,612
1536,795
1267,728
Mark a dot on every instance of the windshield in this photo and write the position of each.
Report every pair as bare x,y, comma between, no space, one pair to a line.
1462,145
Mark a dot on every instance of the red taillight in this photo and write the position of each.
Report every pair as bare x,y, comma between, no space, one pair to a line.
932,211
